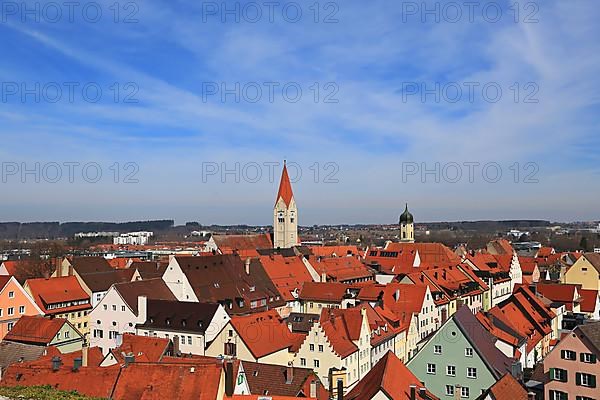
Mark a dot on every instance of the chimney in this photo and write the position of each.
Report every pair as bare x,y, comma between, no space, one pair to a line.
176,351
248,266
413,392
313,389
142,308
229,378
129,359
56,362
77,362
340,389
84,356
422,393
530,396
289,377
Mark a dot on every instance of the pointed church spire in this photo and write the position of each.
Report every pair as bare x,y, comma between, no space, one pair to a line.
285,187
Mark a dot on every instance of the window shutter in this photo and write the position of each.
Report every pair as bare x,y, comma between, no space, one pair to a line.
582,357
578,378
593,359
551,374
593,381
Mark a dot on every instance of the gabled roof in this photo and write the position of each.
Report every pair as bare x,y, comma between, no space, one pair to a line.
331,251
4,279
591,333
332,292
528,265
167,381
237,243
102,281
143,348
222,278
594,259
500,246
155,289
507,388
13,352
149,269
11,266
400,258
264,333
35,329
342,329
559,292
287,273
341,268
482,341
64,289
88,265
273,380
94,382
391,377
179,315
589,299
285,188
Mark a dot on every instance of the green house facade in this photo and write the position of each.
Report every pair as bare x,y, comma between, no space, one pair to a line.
460,357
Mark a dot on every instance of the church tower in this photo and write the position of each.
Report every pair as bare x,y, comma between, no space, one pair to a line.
407,227
285,214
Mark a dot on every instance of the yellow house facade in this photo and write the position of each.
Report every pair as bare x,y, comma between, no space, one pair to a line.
585,272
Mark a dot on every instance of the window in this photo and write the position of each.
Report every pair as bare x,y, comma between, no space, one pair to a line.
230,333
122,308
451,370
67,335
58,336
230,349
431,369
449,390
11,295
464,392
568,355
558,374
98,333
587,380
437,349
468,352
10,325
11,311
583,398
320,348
190,340
556,395
472,372
21,309
182,339
588,358
311,347
0,312
105,307
316,363
303,362
114,307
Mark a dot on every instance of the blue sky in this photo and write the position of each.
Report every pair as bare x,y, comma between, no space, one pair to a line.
387,75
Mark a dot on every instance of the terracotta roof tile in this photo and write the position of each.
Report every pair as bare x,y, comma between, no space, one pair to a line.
323,291
155,289
506,388
264,333
35,329
392,377
589,299
143,348
287,274
342,268
46,291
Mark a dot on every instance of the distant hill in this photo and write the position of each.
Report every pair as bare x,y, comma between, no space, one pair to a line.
53,230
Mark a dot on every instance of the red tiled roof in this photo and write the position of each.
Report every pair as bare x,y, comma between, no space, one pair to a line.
329,251
500,246
227,244
94,382
392,377
287,273
65,289
4,280
559,292
545,252
338,333
589,300
11,266
95,357
155,289
342,268
528,265
332,292
398,258
164,381
35,329
507,388
264,333
285,188
143,348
